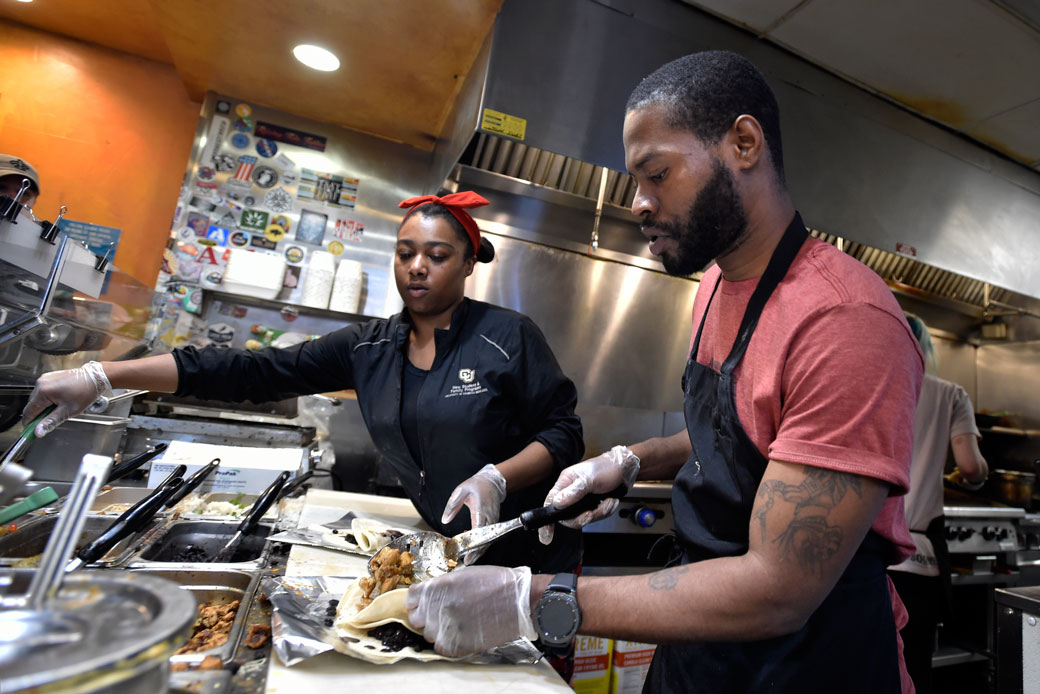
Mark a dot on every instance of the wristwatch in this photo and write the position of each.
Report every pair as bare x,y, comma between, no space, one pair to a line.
557,616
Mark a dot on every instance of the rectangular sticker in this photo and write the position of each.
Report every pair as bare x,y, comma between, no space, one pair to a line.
503,124
289,136
328,188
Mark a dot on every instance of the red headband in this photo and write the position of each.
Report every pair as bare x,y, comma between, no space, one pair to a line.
456,203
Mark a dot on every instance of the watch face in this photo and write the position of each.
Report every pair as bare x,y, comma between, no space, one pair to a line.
558,618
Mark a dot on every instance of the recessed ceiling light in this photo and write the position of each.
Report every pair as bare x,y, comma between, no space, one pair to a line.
24,0
316,57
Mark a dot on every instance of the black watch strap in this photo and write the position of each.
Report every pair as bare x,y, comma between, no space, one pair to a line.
564,582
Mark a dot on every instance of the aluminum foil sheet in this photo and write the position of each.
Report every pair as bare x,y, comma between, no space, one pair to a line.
298,628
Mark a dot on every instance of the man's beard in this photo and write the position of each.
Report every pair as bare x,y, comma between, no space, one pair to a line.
715,224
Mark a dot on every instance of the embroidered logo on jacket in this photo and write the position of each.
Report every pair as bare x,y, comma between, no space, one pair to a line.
470,385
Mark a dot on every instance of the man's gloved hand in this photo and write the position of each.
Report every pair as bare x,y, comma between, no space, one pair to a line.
472,608
73,391
593,476
483,494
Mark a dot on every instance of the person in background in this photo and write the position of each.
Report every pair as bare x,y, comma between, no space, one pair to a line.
12,171
799,398
945,419
463,399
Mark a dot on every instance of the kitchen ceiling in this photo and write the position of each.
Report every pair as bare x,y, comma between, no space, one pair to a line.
402,61
971,65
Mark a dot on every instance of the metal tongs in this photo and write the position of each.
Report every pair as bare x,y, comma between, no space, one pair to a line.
130,521
433,554
48,576
252,519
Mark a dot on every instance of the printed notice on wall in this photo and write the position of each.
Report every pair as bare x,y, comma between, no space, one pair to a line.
503,124
97,237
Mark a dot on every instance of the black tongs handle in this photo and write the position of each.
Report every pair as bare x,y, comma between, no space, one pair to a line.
546,515
262,503
127,466
132,520
193,482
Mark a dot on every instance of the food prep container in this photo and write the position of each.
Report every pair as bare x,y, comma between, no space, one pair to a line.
126,496
189,544
216,587
31,537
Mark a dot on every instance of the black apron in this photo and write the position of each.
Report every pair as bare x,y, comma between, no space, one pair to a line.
849,643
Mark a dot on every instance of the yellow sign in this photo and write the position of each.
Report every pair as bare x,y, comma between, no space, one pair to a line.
503,124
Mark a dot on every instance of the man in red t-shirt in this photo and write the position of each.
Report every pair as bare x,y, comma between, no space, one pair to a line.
799,401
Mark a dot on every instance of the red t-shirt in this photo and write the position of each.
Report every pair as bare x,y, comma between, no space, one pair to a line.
830,378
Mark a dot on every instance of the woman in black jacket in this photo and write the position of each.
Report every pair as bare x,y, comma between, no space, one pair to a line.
464,399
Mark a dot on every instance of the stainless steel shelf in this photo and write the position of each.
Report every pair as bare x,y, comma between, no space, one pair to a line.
953,655
983,579
279,305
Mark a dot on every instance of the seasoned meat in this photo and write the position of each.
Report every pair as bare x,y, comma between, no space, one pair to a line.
258,635
212,627
389,568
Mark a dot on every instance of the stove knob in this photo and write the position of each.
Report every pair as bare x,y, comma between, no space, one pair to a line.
965,533
989,533
644,517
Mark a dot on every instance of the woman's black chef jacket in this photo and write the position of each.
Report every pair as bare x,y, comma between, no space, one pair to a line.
494,387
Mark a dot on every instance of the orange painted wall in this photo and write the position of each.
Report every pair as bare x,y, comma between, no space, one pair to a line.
109,133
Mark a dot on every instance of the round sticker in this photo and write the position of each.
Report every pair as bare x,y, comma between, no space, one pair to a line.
244,110
266,148
274,233
224,162
186,234
239,238
282,221
240,140
265,176
289,314
336,248
207,173
242,124
249,201
215,277
223,107
278,200
294,254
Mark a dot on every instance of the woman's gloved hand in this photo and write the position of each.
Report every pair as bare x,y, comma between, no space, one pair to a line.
593,476
472,609
72,391
483,493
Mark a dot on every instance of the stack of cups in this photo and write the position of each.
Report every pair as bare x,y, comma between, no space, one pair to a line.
317,284
346,292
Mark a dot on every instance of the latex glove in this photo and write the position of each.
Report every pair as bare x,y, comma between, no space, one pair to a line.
473,608
593,476
483,494
73,391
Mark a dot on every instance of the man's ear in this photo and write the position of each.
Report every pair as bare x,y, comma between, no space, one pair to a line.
746,142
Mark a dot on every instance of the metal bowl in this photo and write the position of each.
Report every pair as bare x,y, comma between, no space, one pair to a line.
103,632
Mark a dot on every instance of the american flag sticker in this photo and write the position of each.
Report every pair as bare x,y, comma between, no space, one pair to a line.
245,168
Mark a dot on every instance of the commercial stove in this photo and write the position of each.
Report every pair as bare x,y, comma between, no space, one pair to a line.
625,542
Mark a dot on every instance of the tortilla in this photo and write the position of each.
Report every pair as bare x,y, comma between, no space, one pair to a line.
352,626
366,536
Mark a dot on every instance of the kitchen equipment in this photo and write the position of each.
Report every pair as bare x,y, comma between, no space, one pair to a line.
51,458
129,522
125,467
62,542
433,554
1012,486
249,523
254,273
104,631
197,542
28,435
29,503
297,481
192,483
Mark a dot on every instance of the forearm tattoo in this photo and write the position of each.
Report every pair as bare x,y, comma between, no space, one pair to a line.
667,579
809,538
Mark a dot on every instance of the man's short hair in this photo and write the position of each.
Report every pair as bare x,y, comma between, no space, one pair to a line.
706,92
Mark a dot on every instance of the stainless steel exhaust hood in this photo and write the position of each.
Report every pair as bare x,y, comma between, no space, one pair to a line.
860,168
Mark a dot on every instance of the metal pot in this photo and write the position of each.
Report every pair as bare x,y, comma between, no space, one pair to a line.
1012,486
104,632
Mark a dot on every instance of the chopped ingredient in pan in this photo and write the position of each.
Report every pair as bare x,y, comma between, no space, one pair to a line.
190,554
116,508
211,662
28,562
389,568
211,628
258,635
397,636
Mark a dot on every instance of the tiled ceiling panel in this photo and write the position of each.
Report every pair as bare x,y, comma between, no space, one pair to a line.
969,64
